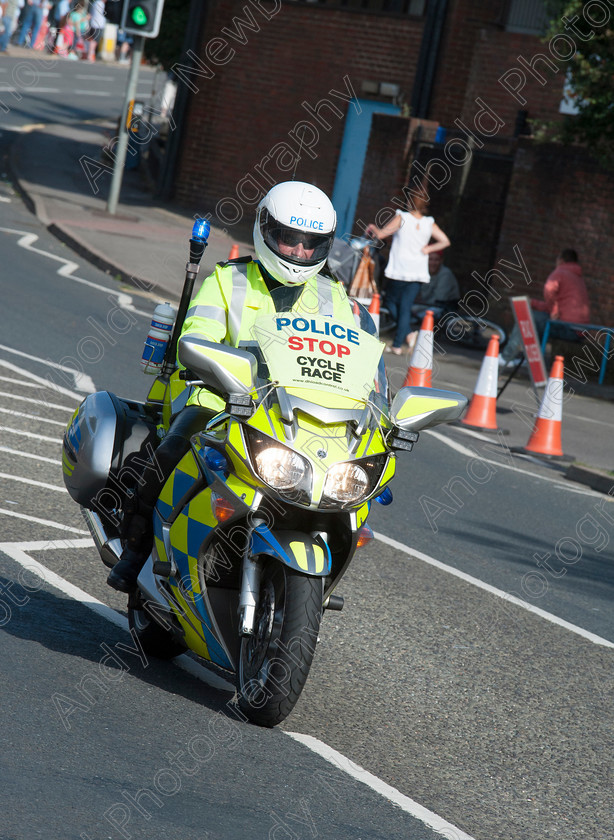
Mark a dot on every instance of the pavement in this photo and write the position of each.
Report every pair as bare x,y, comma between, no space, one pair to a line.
145,244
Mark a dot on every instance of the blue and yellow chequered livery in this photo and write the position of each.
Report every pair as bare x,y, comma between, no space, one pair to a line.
189,526
72,441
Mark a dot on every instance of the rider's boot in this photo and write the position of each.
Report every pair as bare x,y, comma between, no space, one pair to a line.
139,538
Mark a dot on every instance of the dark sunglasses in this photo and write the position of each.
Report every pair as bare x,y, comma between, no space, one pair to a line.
292,238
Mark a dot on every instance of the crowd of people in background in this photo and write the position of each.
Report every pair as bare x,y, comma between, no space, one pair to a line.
71,28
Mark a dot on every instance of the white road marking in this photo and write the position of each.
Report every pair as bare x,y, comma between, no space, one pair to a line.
20,553
470,453
32,417
68,266
93,78
46,522
82,380
39,379
582,491
22,129
55,461
30,435
93,92
341,762
454,386
524,456
588,419
479,435
5,199
18,382
68,408
512,599
27,89
31,481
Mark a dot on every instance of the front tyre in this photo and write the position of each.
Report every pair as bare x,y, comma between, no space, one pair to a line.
275,661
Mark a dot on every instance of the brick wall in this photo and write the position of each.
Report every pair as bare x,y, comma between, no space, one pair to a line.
477,53
560,198
254,101
464,21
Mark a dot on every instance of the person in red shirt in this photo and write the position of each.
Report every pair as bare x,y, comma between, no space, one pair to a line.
565,299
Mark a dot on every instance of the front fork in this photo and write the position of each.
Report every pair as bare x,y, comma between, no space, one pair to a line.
250,585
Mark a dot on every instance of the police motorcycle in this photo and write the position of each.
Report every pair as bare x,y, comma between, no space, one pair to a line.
258,522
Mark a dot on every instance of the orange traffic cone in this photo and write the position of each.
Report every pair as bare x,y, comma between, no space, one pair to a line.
234,252
374,310
420,368
545,438
482,411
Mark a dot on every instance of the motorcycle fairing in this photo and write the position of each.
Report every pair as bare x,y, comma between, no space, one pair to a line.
73,439
421,405
389,471
292,548
181,538
179,484
361,515
191,528
322,444
169,395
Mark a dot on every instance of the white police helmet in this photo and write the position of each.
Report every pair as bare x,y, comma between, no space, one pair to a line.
294,231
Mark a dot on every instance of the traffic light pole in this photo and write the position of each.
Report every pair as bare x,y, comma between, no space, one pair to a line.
122,141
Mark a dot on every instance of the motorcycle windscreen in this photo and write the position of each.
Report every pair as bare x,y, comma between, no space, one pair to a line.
318,353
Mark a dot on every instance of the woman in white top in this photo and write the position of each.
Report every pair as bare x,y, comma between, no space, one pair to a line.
408,263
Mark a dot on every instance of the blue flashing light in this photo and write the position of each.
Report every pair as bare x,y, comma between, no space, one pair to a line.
215,460
385,497
201,229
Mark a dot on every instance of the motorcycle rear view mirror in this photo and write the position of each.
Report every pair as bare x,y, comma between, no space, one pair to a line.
225,369
414,409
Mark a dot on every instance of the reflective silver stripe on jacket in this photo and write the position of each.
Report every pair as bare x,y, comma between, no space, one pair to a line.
317,299
325,296
214,313
239,293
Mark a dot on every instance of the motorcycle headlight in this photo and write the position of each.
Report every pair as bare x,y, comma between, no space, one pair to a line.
350,482
279,467
346,482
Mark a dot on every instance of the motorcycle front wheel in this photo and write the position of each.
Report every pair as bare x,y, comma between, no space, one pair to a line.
274,662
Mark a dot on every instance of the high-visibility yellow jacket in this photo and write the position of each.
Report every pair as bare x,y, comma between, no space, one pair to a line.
235,295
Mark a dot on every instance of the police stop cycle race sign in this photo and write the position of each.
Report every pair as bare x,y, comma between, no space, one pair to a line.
318,352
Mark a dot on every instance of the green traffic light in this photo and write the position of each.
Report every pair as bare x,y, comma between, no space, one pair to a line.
139,16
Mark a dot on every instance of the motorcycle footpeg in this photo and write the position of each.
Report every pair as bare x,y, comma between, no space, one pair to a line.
110,553
162,568
334,602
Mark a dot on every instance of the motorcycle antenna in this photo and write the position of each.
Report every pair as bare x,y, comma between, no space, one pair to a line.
198,242
298,157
